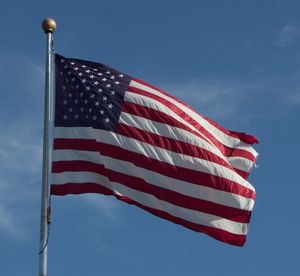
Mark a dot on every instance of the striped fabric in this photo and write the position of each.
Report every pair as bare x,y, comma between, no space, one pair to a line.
156,153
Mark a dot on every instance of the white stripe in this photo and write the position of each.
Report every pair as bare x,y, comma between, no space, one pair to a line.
182,135
156,105
241,163
152,202
168,131
218,134
157,153
181,187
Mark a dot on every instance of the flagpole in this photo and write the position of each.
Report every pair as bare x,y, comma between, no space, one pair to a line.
49,27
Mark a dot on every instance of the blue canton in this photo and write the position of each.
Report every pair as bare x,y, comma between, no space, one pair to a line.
88,94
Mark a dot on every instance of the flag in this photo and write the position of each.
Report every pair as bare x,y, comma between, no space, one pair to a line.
117,135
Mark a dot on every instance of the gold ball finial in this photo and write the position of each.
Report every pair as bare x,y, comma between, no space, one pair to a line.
48,25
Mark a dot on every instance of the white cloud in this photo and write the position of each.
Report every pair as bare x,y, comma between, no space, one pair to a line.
225,101
107,205
287,35
6,218
213,97
20,161
294,98
20,143
235,103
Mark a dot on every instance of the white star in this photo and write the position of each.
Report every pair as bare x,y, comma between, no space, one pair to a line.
73,79
108,72
117,82
97,103
72,63
110,106
99,74
76,68
104,79
62,60
80,74
87,88
112,77
65,102
90,110
96,82
70,95
69,73
83,80
108,85
64,87
95,69
76,116
65,66
87,71
76,101
121,75
104,98
102,111
77,86
83,66
92,76
81,94
100,90
61,73
66,80
107,120
81,109
94,117
86,101
92,96
70,109
113,92
65,117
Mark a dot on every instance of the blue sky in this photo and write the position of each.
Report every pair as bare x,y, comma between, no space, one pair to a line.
237,62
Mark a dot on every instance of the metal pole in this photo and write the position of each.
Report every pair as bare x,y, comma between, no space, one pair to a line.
49,27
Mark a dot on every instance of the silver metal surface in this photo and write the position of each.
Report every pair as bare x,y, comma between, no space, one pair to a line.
46,153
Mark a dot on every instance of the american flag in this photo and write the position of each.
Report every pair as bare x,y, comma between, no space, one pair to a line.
117,135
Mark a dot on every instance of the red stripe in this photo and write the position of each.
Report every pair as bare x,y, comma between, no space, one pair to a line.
249,139
188,175
76,189
227,151
175,146
221,235
243,174
246,138
141,185
171,144
158,116
161,91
